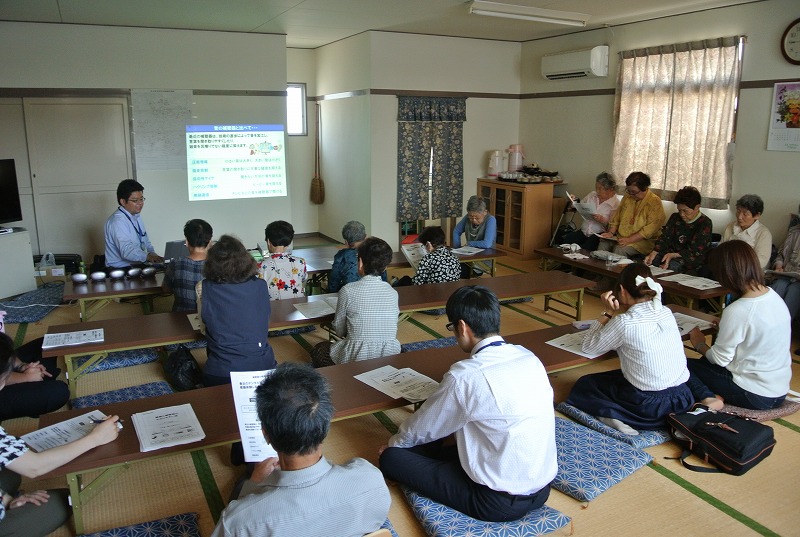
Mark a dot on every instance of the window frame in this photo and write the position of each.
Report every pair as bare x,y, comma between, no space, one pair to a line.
303,108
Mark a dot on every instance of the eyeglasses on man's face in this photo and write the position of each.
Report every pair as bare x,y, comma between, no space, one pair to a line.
136,200
450,327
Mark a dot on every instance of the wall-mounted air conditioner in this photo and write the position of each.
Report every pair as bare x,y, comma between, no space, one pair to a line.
590,62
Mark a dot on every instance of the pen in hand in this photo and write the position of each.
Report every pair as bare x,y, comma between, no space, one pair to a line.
119,422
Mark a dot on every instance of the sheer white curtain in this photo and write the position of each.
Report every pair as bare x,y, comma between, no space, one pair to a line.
675,107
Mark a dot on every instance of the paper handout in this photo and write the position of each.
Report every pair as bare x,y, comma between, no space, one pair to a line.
574,344
244,384
62,433
318,308
73,338
167,427
400,383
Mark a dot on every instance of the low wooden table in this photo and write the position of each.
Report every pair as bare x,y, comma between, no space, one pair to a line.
216,412
162,329
688,295
94,296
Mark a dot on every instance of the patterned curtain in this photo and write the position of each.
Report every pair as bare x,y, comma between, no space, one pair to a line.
430,134
675,109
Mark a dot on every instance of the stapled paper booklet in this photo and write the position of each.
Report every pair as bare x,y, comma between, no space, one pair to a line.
586,210
574,344
783,274
414,252
467,250
167,427
244,384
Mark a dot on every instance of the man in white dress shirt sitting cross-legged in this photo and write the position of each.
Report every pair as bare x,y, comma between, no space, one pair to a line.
498,407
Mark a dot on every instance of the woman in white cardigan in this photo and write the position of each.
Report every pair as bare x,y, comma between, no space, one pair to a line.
750,364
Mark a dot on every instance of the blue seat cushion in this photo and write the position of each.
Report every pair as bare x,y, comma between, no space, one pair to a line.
151,389
590,463
34,305
118,359
643,440
292,331
430,344
184,525
442,521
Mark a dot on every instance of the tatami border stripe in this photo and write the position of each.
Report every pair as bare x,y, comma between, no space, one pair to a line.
528,314
386,422
795,361
512,268
19,337
714,502
788,425
427,329
209,485
303,343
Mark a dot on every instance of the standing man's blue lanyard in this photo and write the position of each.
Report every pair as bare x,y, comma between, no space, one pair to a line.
138,229
492,344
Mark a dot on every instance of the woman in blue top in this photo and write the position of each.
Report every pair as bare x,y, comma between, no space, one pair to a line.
478,227
233,306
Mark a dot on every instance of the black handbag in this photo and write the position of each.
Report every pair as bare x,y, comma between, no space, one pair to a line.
731,443
182,371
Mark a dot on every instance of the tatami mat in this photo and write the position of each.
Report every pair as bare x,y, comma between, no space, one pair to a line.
662,498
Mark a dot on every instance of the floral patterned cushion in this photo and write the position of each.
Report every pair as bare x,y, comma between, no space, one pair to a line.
184,525
643,440
118,359
151,389
442,521
590,463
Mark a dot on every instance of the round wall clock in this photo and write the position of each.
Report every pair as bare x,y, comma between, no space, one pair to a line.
790,43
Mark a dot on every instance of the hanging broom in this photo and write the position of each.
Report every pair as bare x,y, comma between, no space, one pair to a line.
317,186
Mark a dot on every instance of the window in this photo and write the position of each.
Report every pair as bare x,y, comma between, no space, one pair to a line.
675,112
296,123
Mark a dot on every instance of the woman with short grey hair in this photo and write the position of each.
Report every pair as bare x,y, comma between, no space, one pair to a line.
748,228
353,233
604,198
345,263
482,229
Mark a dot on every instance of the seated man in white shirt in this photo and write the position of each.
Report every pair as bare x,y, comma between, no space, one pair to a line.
126,238
300,492
498,405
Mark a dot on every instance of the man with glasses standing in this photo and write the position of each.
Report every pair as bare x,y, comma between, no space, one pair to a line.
126,238
484,442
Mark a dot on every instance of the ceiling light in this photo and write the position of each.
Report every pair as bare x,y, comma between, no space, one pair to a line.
526,13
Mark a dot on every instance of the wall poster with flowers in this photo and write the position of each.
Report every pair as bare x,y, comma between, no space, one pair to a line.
784,122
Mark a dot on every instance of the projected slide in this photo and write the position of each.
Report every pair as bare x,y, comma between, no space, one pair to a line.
235,161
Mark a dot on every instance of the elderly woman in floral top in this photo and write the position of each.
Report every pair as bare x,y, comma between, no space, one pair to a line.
284,273
686,238
42,511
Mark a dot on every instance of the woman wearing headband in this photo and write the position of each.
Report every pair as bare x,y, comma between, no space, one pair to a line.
749,365
652,380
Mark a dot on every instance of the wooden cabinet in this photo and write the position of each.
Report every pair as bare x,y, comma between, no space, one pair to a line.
523,213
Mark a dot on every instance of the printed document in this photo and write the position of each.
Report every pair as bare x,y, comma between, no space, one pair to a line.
244,384
467,250
414,252
574,344
586,210
782,274
695,282
167,427
63,432
400,383
318,308
73,338
686,323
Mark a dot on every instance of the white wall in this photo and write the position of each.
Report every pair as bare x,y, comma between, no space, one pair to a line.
416,63
574,134
97,57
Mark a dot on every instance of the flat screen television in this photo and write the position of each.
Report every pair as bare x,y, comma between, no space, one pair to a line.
10,207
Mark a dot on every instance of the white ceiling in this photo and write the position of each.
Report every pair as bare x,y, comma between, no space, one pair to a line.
313,23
